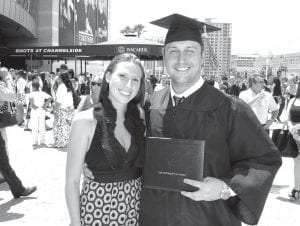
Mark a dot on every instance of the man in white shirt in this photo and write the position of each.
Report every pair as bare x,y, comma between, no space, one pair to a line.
261,102
38,101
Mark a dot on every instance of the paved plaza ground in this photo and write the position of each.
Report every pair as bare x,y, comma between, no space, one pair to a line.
45,168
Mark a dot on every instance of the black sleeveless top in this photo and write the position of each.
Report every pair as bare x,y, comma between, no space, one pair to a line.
295,113
115,164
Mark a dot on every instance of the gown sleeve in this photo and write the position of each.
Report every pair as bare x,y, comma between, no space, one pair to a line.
254,162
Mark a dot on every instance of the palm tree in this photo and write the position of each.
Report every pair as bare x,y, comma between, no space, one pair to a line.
127,30
138,29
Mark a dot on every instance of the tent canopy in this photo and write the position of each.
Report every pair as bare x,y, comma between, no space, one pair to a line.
146,50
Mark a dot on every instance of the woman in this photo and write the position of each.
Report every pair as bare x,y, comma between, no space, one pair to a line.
291,89
109,139
90,100
293,110
277,94
20,89
64,106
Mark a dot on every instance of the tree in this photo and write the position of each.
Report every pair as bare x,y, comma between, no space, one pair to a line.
138,29
127,30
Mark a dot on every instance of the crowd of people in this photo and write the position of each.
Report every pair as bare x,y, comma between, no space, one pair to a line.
104,121
42,94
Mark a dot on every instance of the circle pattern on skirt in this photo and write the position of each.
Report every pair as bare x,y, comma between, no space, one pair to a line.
111,204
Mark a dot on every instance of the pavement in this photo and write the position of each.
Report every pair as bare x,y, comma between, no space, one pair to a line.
45,168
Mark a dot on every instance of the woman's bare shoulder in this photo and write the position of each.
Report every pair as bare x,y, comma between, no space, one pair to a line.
85,117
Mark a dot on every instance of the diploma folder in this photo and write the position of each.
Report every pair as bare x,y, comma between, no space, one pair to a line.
168,161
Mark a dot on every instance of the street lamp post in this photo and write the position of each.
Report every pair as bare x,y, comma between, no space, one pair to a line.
267,63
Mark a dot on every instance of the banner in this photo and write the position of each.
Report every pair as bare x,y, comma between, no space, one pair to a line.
82,22
29,6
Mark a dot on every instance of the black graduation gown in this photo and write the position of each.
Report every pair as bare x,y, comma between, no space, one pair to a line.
238,151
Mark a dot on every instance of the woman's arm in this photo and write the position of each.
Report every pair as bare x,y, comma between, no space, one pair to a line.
7,94
81,104
288,109
77,148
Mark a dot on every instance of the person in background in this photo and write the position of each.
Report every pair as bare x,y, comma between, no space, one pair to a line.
65,103
92,99
6,106
260,101
4,73
38,101
109,139
277,95
218,81
234,88
20,89
63,68
15,184
46,82
153,81
293,111
32,77
27,91
291,89
240,159
163,82
267,86
83,84
224,86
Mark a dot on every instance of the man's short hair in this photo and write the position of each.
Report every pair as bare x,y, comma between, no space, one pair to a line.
63,67
253,78
36,85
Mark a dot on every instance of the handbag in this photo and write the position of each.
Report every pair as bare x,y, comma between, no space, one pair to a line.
291,149
280,138
8,118
286,144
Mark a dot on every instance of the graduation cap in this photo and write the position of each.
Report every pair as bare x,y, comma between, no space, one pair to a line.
182,28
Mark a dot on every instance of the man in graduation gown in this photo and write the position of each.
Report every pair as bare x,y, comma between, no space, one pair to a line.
240,159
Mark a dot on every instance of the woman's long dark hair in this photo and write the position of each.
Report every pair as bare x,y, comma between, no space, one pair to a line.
277,87
106,115
298,91
65,78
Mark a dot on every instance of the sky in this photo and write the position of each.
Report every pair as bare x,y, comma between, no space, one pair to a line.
258,26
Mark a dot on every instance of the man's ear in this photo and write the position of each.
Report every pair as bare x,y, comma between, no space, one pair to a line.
163,54
163,51
108,77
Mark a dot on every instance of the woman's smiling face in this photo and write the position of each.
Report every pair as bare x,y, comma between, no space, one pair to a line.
124,82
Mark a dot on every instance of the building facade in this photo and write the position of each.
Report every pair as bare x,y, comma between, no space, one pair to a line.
243,64
220,42
288,64
40,23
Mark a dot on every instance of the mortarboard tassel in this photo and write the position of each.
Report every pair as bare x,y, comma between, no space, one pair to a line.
213,60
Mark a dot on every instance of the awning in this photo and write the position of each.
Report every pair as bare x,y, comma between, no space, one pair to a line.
146,50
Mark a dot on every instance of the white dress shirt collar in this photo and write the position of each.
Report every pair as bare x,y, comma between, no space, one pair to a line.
189,91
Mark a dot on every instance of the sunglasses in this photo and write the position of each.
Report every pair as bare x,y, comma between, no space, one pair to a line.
96,83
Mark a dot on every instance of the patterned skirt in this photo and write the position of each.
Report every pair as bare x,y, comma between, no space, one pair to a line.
62,126
111,204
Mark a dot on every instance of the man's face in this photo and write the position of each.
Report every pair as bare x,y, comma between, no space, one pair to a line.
258,85
183,62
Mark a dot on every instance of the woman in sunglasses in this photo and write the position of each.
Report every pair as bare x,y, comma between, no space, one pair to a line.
90,100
